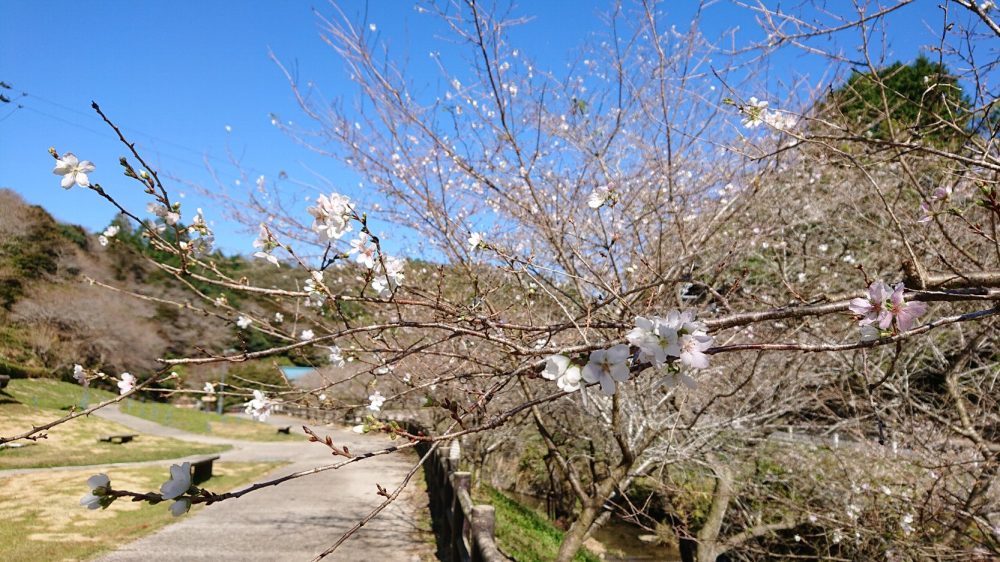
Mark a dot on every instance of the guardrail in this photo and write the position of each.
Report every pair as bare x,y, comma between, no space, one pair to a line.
468,530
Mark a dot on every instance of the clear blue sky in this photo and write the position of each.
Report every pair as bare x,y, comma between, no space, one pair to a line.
175,73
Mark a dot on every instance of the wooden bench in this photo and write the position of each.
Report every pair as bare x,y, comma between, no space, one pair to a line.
118,439
287,430
4,379
201,468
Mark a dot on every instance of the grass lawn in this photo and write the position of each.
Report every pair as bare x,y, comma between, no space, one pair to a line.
43,520
76,442
195,421
58,395
524,534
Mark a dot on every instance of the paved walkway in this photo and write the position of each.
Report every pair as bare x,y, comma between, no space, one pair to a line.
299,518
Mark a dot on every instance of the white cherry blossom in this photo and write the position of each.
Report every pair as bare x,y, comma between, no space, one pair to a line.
126,384
265,244
332,216
753,113
260,407
475,241
375,401
598,197
73,171
109,233
607,366
336,357
80,374
560,369
365,249
169,216
179,483
180,507
99,485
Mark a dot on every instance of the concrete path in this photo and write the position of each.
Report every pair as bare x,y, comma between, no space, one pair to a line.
300,518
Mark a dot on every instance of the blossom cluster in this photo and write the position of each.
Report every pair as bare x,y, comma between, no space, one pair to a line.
755,114
657,339
375,401
177,488
882,307
260,407
388,270
332,216
678,335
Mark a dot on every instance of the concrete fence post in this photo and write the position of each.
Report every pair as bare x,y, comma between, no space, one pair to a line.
454,455
460,481
483,528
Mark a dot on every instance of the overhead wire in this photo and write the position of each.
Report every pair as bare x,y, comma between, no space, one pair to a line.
26,97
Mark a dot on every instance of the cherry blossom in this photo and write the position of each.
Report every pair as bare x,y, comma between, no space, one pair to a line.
475,241
314,287
655,340
126,384
260,407
243,322
375,401
106,236
332,216
779,120
560,369
98,497
209,388
693,347
336,357
279,318
753,113
265,244
80,374
599,196
306,335
179,483
385,284
905,313
873,309
677,335
180,507
73,171
169,216
607,366
365,249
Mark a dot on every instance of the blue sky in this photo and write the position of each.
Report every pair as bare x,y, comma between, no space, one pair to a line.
175,74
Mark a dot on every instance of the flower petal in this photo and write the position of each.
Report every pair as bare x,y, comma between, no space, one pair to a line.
98,481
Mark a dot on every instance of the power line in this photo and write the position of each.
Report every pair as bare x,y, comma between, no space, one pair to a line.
26,96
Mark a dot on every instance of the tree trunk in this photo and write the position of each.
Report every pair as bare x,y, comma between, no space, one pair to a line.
708,535
574,537
577,533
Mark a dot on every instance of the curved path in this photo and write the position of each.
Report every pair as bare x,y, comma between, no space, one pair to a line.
299,518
